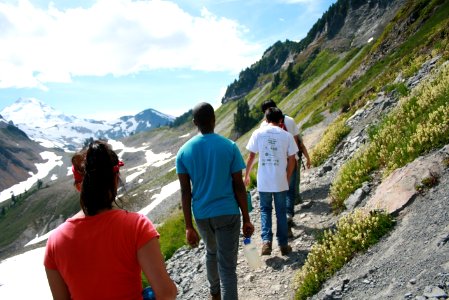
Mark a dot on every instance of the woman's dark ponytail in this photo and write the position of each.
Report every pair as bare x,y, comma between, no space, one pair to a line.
99,187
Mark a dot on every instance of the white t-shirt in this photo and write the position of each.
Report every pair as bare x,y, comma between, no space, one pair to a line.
290,124
274,146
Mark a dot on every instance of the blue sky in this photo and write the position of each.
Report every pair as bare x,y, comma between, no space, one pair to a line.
108,58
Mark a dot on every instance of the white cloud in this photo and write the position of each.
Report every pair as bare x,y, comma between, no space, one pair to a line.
118,37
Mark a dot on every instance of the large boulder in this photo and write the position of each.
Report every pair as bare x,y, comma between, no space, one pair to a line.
401,186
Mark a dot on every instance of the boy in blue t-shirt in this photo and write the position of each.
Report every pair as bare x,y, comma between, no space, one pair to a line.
209,169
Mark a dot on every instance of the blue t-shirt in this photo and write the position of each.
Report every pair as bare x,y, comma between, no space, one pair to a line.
209,160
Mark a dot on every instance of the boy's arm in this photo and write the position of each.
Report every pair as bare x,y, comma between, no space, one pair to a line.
186,201
306,154
291,163
240,195
249,166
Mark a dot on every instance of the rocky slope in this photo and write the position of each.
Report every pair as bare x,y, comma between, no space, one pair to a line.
18,155
412,262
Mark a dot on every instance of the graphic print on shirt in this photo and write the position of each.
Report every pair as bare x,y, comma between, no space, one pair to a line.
270,148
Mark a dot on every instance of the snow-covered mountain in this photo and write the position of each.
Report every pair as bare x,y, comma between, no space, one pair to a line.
2,120
52,128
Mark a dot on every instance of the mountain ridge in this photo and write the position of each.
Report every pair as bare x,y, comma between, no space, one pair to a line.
345,25
52,128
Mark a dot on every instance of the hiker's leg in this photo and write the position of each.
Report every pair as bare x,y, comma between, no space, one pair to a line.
227,232
281,218
291,193
266,209
207,232
298,198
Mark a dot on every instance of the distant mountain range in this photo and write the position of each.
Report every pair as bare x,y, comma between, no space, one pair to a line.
52,128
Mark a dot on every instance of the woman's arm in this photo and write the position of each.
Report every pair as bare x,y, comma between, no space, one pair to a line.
57,284
152,263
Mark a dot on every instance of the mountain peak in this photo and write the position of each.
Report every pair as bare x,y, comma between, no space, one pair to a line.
32,112
25,101
49,126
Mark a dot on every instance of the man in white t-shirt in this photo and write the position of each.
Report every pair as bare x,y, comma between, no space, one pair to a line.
293,192
277,149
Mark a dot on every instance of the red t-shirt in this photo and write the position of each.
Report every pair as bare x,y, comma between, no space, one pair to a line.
97,255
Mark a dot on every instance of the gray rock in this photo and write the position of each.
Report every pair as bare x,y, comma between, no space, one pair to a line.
355,199
434,292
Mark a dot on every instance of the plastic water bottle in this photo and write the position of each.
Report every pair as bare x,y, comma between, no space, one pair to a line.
148,294
251,254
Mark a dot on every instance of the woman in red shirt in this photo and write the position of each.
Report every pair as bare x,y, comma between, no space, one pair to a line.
100,252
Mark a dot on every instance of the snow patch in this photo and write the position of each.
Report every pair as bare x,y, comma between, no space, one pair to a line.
116,145
133,176
12,270
153,158
165,192
43,169
38,239
162,162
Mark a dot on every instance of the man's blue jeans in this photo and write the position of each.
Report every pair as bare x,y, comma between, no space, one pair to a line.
292,191
221,237
266,207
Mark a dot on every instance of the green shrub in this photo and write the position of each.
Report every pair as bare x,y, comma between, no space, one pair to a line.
354,233
427,183
446,162
316,118
252,180
401,88
173,235
332,136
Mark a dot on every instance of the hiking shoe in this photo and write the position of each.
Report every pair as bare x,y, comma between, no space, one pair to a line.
215,296
286,249
266,248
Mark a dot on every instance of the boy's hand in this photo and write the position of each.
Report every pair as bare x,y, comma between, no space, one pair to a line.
192,237
247,229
